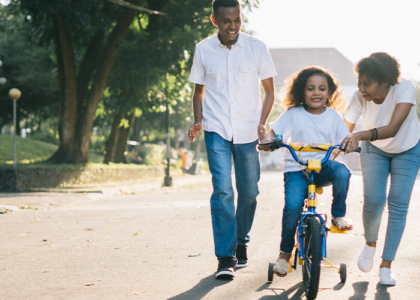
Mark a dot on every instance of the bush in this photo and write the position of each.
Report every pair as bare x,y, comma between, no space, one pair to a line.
150,154
44,137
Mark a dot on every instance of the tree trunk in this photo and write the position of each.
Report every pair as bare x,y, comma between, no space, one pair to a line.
111,144
68,92
135,136
101,77
77,116
123,137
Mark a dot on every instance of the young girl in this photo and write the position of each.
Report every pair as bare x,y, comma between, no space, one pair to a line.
313,95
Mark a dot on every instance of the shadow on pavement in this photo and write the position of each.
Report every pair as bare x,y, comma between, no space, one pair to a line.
360,289
297,289
339,286
201,289
382,293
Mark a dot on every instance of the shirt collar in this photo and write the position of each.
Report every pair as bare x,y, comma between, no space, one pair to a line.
239,42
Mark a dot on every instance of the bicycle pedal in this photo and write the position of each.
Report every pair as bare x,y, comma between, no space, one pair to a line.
334,229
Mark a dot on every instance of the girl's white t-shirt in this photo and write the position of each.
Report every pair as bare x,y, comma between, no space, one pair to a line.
296,125
379,115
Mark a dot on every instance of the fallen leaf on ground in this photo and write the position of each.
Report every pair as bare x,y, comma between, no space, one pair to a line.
194,255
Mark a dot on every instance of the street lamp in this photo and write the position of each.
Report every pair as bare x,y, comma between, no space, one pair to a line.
15,95
168,178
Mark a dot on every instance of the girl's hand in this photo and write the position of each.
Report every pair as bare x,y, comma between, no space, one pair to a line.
266,147
351,142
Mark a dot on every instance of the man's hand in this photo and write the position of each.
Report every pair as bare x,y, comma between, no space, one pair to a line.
261,131
194,132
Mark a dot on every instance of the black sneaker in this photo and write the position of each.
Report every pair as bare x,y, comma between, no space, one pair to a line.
241,256
225,269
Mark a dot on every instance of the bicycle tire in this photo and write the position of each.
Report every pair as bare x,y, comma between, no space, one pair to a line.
270,272
313,255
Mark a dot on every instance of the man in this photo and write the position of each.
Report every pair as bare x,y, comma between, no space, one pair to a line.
226,71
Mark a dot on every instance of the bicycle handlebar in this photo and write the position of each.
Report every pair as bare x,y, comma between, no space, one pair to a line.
278,143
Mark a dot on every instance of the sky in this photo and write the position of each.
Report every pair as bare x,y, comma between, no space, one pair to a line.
356,28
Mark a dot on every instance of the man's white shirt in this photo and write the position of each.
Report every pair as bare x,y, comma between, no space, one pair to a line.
232,96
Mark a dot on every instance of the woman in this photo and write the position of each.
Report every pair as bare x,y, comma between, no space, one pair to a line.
390,146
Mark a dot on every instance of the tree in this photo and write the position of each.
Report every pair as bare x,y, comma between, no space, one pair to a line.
32,71
86,35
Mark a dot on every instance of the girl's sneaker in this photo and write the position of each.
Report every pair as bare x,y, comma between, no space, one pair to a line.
342,223
365,261
386,277
281,267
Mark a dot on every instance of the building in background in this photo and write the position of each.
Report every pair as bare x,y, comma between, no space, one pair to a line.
289,61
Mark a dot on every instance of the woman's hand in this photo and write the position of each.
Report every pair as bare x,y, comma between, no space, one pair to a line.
351,142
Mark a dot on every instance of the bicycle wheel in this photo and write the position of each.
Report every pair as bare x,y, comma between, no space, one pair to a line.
312,250
270,272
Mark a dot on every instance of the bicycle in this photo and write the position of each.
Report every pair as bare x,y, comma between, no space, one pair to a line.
311,233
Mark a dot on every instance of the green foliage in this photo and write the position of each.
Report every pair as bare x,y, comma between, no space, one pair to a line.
150,154
47,137
27,67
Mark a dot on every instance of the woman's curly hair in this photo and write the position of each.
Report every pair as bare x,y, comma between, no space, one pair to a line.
379,66
295,89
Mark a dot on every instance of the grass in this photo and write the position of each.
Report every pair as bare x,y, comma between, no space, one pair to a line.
31,153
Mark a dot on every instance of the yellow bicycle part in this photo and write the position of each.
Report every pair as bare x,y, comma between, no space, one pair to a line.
334,229
310,147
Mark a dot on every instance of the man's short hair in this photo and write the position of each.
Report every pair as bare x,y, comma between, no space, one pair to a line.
223,3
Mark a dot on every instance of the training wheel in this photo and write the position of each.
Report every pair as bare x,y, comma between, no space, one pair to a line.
270,271
343,272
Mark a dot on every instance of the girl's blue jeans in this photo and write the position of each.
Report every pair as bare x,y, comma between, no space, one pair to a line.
296,190
230,227
377,166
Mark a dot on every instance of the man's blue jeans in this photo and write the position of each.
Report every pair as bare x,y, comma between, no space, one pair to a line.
377,166
230,228
296,190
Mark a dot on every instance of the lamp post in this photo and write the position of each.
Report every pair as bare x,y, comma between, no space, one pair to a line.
15,95
168,178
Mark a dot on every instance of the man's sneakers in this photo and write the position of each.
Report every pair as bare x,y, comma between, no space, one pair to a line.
225,269
386,277
241,256
365,261
227,264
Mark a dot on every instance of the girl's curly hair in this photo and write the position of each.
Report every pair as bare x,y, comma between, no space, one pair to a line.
295,89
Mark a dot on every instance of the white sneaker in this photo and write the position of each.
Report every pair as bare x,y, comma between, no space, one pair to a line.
365,261
386,277
281,266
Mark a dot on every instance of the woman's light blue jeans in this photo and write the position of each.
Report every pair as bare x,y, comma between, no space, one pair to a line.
296,190
230,228
377,165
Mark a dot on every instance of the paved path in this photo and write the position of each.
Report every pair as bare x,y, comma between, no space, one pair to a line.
141,241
